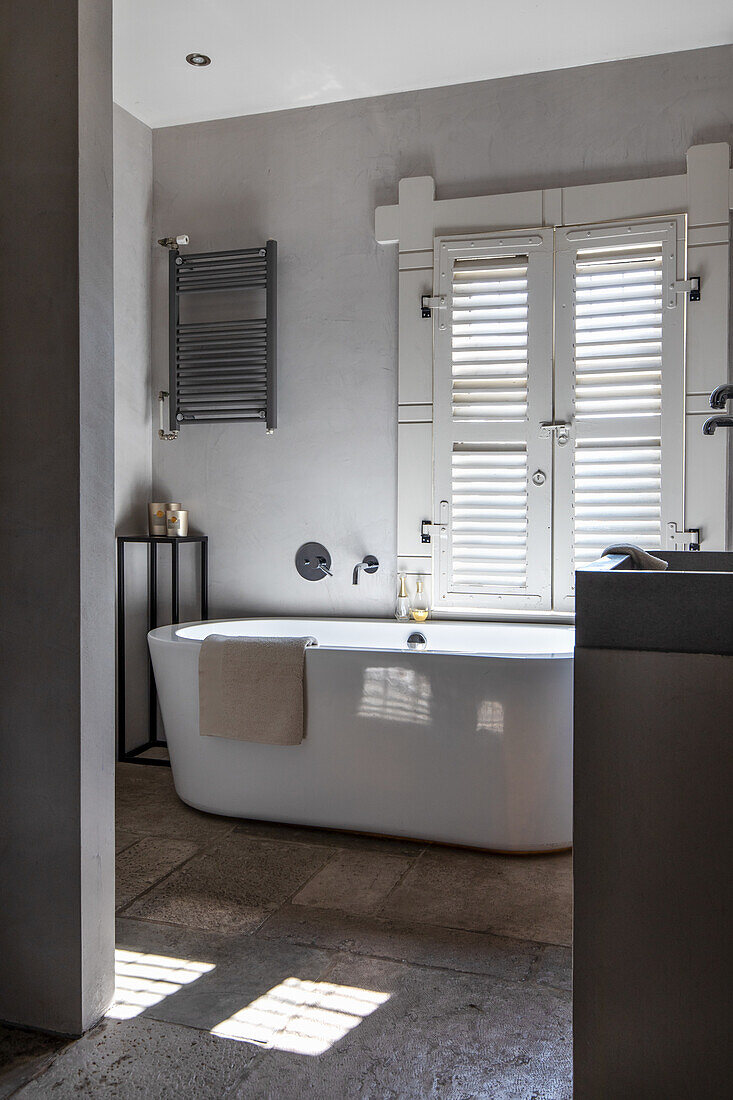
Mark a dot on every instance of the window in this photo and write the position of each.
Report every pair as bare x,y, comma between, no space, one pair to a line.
558,406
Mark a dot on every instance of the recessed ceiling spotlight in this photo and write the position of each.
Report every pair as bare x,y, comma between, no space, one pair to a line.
198,59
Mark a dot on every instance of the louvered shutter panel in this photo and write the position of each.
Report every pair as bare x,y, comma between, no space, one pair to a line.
493,362
619,383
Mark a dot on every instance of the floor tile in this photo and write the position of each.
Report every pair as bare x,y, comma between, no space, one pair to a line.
23,1054
156,752
145,863
331,838
437,1036
418,972
242,969
355,881
134,1059
527,897
554,967
147,804
124,840
233,887
427,945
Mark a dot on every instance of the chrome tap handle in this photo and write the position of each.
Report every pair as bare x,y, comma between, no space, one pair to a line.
321,564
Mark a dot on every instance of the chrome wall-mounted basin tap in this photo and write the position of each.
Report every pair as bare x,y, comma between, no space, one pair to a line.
369,565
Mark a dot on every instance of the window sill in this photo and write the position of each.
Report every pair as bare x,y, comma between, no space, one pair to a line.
487,616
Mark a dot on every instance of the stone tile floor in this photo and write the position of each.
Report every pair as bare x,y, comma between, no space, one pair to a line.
268,962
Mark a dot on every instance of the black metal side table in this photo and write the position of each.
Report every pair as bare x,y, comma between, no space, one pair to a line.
134,755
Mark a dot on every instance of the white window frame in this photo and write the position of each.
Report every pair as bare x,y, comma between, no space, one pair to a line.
551,399
703,190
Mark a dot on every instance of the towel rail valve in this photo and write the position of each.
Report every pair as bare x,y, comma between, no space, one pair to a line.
163,396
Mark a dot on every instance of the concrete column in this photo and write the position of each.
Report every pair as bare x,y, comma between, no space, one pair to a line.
56,535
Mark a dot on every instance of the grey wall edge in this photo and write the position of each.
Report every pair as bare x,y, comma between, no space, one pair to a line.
56,480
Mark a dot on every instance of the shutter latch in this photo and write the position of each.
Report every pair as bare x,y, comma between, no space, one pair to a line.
428,304
689,286
683,540
560,431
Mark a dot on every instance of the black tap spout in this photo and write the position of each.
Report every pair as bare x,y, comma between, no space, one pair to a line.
714,422
720,397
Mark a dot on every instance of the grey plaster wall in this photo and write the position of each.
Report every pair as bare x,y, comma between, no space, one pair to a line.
56,544
134,411
311,178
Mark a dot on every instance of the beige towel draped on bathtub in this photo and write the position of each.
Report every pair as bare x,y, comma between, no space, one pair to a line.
251,689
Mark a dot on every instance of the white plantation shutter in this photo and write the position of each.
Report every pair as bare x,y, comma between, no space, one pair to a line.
619,384
493,386
489,515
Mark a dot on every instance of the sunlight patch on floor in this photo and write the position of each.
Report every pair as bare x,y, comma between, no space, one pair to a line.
143,980
302,1017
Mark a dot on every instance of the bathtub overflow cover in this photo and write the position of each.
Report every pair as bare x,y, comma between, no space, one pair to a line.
417,641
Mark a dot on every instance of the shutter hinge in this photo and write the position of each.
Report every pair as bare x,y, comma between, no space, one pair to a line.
683,540
428,304
689,286
426,527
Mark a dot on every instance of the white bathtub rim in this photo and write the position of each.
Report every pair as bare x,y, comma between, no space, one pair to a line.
172,634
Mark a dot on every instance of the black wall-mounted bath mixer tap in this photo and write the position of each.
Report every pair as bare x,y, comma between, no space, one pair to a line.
313,561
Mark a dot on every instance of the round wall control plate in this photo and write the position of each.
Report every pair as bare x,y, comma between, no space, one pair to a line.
309,557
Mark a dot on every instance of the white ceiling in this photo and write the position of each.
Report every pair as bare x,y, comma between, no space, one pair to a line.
273,54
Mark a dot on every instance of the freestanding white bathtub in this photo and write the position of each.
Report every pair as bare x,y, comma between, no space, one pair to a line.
466,741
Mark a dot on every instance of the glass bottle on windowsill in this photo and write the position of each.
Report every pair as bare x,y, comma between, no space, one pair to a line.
419,609
402,607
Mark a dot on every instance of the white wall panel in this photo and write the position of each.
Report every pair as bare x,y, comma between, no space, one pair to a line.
708,167
706,485
414,564
415,385
455,216
707,336
605,202
415,414
414,494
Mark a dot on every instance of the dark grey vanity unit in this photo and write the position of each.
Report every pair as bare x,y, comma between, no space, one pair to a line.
652,830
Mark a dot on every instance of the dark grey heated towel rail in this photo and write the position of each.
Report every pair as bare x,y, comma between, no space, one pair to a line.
223,370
